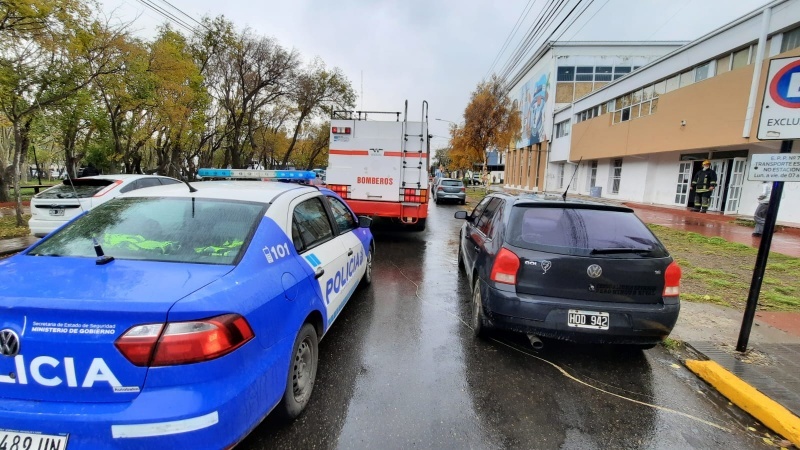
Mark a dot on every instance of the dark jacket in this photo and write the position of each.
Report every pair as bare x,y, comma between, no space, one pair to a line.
704,180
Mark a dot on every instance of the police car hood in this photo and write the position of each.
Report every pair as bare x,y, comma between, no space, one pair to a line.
66,314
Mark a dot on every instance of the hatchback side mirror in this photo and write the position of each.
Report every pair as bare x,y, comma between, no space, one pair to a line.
461,215
364,221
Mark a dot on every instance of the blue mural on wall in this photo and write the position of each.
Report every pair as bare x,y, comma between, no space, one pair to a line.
533,101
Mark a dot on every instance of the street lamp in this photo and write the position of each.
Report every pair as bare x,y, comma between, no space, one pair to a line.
445,120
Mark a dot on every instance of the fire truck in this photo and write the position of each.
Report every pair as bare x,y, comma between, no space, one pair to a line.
379,164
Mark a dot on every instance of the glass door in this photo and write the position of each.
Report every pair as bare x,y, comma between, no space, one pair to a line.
719,166
735,185
684,178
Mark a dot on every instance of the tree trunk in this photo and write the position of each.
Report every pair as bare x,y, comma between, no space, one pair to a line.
21,143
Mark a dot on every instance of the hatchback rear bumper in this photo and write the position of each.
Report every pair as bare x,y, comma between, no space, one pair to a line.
547,317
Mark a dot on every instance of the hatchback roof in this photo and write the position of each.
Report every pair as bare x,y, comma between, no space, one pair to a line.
552,200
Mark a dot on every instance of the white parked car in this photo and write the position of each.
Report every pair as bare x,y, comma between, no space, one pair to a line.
61,203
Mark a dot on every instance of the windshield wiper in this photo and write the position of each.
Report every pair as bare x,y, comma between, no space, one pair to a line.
612,250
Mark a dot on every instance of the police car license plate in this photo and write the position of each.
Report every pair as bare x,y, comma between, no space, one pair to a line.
587,319
56,212
32,441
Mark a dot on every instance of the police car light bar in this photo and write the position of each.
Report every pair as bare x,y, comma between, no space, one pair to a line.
250,174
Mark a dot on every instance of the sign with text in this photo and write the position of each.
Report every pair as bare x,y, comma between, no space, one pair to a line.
774,167
780,110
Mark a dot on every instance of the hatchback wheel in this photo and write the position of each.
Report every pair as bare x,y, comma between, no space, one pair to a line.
302,374
479,326
460,257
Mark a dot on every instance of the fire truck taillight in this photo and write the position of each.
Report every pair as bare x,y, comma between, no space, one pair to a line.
340,130
341,189
415,195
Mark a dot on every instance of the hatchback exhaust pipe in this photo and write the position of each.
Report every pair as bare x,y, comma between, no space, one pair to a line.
536,343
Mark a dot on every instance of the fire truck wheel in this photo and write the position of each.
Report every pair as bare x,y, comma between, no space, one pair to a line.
419,226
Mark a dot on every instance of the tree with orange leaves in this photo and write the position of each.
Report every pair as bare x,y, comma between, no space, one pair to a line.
491,121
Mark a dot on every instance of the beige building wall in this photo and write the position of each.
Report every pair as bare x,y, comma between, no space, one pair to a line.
713,111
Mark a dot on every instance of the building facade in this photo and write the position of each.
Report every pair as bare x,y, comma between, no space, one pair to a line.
558,74
642,137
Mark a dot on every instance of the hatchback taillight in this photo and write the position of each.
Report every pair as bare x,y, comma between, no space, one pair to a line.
505,267
672,280
184,342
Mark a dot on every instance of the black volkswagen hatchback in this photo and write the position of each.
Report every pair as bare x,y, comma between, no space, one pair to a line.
567,269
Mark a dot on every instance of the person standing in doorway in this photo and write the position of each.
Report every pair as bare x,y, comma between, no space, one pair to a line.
704,183
761,211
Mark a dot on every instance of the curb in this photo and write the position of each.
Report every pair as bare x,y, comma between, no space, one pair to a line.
748,398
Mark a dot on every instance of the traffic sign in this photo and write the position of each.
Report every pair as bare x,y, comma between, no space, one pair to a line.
780,109
774,167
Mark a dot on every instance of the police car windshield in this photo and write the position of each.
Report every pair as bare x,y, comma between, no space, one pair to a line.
160,229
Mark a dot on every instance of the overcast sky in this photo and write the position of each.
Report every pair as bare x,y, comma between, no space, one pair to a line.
434,50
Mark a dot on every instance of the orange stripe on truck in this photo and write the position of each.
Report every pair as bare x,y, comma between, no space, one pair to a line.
366,152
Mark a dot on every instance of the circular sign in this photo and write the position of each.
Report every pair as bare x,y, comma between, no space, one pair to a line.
786,78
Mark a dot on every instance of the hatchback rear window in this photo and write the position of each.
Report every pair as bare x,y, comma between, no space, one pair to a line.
160,229
452,183
581,231
77,188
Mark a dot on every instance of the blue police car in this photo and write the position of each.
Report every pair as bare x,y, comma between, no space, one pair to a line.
175,317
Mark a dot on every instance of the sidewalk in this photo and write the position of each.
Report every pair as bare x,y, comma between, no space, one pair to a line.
771,366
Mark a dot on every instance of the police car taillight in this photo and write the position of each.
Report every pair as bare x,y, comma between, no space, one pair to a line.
184,342
340,130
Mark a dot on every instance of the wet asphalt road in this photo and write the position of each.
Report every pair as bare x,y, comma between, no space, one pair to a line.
400,369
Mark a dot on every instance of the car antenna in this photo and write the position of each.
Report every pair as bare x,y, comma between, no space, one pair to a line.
102,258
192,189
564,195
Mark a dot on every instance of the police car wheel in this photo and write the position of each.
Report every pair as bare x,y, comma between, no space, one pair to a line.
367,280
302,374
479,327
460,256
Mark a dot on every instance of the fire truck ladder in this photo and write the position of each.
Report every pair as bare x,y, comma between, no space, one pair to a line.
414,159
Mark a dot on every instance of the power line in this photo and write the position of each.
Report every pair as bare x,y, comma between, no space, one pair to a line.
169,16
669,20
588,5
524,44
186,14
533,38
522,16
590,19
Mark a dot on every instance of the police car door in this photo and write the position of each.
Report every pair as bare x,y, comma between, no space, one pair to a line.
315,240
347,222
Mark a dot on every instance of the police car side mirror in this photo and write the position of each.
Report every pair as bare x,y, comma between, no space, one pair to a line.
461,215
364,221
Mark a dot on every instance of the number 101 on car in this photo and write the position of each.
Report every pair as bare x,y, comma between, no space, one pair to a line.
587,319
10,440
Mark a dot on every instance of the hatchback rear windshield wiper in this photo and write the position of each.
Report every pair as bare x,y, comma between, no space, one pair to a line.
599,251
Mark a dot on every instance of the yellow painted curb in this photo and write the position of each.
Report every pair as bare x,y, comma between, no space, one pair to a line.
763,408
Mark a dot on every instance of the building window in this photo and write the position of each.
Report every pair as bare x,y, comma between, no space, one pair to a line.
741,58
791,40
593,174
566,74
703,72
561,168
616,175
603,73
584,73
562,129
621,71
590,113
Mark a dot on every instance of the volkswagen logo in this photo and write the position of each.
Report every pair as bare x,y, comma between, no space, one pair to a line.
9,343
594,271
